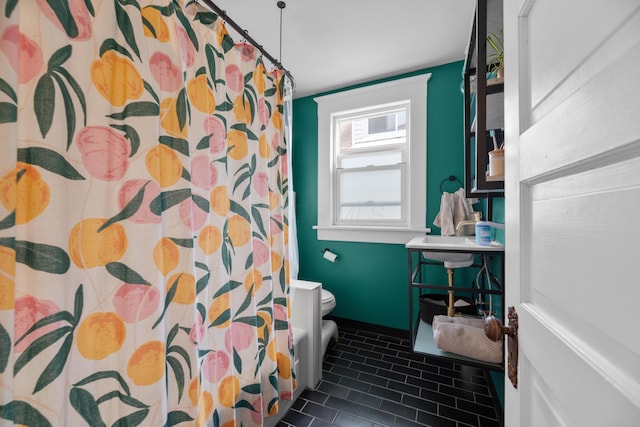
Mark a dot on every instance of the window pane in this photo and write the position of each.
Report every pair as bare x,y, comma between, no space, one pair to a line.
381,126
370,195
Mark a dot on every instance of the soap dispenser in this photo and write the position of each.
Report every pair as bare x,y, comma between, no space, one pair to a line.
483,233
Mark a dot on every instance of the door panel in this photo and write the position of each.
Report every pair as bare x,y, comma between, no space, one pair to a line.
588,106
579,386
545,406
572,126
574,235
581,40
600,116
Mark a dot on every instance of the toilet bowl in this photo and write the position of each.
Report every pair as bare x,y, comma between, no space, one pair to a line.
328,302
329,327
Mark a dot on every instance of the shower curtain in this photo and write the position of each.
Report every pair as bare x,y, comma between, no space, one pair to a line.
143,218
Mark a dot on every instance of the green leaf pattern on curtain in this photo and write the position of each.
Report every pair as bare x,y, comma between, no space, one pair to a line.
143,226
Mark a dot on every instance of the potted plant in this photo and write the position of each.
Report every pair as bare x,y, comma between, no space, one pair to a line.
496,59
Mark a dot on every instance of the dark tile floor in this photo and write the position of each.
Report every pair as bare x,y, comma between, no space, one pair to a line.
373,379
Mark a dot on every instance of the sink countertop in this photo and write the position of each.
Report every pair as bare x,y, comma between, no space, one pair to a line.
451,243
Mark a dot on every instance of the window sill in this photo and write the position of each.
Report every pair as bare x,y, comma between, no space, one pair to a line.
368,234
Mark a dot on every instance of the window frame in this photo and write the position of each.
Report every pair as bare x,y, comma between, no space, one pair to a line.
412,89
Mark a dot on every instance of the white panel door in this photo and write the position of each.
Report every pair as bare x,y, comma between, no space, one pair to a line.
572,106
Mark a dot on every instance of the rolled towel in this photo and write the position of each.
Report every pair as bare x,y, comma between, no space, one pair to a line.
461,320
465,336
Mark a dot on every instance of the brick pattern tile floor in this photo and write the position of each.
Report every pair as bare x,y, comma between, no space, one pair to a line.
371,378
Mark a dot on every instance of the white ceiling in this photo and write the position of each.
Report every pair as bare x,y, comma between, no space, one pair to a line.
331,44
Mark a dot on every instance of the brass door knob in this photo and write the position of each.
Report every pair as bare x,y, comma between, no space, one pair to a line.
494,330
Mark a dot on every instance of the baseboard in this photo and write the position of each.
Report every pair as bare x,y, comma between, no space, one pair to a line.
369,327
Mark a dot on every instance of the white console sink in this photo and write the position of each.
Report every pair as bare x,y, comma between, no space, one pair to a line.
451,243
462,257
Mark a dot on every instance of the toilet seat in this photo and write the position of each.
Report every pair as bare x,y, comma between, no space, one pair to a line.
327,296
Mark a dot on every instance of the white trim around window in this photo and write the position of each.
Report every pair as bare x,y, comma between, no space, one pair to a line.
411,89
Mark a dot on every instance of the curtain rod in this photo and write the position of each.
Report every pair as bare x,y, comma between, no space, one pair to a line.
244,33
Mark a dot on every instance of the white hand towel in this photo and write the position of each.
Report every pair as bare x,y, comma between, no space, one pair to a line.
454,208
444,219
463,206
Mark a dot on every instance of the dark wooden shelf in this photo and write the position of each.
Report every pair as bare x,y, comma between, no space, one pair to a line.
483,103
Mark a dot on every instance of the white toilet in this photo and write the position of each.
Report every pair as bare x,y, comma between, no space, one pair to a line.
328,302
329,327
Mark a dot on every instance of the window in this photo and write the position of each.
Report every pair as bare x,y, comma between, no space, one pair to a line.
372,162
370,158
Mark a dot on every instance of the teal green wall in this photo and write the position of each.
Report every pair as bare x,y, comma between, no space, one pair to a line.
498,216
369,280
